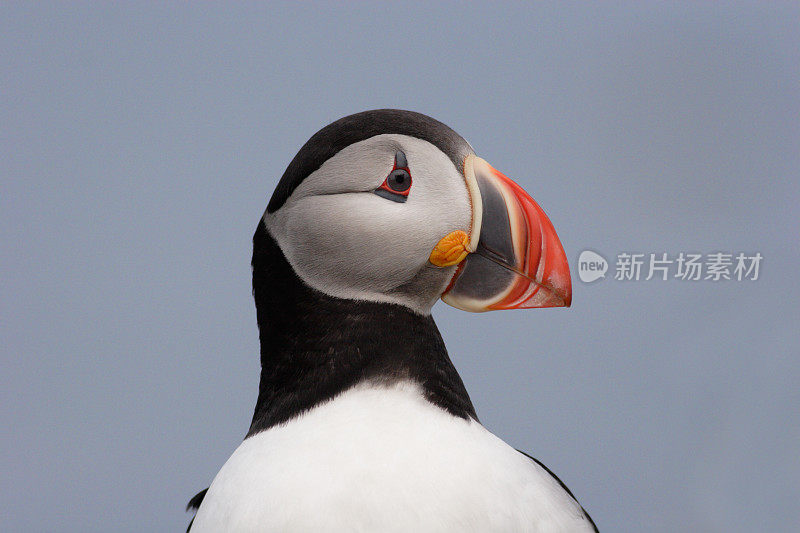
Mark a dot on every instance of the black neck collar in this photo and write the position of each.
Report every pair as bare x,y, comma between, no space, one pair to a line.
315,346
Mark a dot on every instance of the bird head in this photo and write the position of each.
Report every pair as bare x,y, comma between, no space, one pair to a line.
393,206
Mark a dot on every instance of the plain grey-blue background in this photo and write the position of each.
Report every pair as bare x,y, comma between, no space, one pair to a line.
140,144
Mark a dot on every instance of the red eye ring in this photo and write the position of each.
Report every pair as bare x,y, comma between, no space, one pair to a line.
397,184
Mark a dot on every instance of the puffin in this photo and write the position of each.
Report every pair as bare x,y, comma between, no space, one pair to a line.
362,423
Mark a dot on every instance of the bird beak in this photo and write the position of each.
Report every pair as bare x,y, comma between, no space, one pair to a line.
512,257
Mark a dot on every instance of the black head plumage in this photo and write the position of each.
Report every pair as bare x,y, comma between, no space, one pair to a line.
328,141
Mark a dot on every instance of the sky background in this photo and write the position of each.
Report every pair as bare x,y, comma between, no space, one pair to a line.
140,143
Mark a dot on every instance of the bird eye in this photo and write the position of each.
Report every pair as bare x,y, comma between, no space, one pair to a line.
399,180
397,184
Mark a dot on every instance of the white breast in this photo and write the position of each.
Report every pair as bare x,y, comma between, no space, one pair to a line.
382,458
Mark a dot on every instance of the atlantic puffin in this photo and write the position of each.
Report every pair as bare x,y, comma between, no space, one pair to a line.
362,422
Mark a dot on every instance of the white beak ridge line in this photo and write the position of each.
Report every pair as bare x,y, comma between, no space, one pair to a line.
476,202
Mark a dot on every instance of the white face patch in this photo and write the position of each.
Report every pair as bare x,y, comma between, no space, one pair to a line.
346,241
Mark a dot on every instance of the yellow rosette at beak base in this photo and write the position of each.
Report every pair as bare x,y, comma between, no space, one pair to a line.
451,249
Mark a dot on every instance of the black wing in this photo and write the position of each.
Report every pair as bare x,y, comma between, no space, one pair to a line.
195,502
566,489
